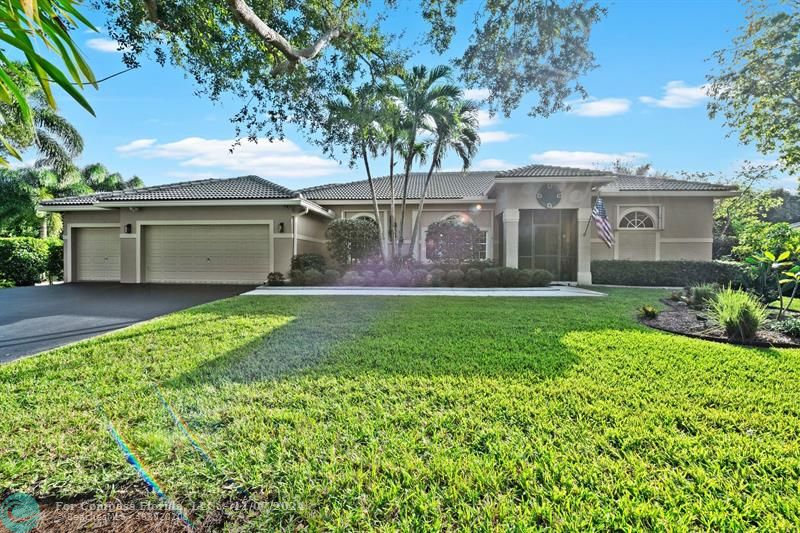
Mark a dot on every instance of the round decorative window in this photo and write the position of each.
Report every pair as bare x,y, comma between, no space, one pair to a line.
549,195
637,220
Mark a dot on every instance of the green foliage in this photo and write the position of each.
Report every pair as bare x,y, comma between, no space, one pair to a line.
755,89
55,260
23,260
312,48
739,313
507,276
788,326
702,294
540,278
437,277
385,278
312,277
648,311
354,279
452,241
470,400
454,277
306,261
276,279
667,273
472,277
352,240
6,283
759,236
404,278
421,277
331,276
297,278
490,277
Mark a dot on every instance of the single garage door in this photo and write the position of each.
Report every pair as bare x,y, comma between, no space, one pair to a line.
97,254
206,253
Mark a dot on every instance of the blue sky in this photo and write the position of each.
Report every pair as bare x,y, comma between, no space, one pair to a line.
646,105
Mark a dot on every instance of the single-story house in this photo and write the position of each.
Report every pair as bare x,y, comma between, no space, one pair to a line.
238,230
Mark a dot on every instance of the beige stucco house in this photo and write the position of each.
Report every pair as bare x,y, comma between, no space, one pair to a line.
238,230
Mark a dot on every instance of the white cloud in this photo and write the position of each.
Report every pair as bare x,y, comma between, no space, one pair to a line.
496,136
583,159
101,44
678,95
264,158
600,107
476,94
493,164
484,119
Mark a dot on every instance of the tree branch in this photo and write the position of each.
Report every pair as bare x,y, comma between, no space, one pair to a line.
293,55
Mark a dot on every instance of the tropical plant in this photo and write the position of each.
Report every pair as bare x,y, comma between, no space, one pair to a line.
99,179
352,240
357,113
452,241
648,311
702,294
30,27
454,127
739,313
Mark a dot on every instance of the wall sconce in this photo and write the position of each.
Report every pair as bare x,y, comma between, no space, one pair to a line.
280,227
127,228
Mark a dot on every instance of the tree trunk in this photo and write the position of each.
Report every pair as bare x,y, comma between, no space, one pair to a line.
43,228
407,170
392,229
374,202
416,230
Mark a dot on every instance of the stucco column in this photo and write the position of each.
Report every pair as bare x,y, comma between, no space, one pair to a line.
511,237
584,247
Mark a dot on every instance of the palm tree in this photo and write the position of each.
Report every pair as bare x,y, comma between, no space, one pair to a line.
455,127
97,176
391,121
418,93
358,112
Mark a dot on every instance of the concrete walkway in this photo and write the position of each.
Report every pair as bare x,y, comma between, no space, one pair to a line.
533,292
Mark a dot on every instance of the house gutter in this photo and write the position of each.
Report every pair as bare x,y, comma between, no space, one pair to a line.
294,228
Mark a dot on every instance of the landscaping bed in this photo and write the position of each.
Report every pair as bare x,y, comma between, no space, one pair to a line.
682,319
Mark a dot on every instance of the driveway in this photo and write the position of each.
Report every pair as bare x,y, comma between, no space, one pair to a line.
34,319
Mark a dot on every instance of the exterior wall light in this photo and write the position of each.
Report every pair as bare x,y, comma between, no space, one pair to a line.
127,228
280,227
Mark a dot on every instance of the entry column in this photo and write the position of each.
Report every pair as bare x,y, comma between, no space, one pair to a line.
511,237
584,247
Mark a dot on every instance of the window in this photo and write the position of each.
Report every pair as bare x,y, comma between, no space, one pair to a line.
637,219
480,247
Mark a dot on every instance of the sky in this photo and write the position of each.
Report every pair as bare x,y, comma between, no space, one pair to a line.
646,104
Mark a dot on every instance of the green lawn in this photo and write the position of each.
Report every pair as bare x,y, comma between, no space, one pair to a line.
420,413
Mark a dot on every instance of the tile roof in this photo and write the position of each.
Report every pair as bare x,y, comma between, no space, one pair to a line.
241,188
549,171
625,183
444,185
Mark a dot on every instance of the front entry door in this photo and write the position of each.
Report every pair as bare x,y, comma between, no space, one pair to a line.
548,239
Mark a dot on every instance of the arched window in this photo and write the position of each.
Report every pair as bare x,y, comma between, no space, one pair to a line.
637,219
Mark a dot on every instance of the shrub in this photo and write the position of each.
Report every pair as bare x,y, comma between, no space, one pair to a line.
452,241
454,277
386,278
23,260
6,283
297,278
437,277
352,240
331,276
540,278
473,277
490,277
353,279
306,261
507,276
667,273
403,278
703,294
523,278
55,259
648,311
421,277
276,279
313,277
370,279
738,312
788,326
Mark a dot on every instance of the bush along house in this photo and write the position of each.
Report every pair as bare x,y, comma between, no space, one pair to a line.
238,230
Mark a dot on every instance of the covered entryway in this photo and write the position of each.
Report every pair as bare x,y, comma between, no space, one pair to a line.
548,239
97,255
207,253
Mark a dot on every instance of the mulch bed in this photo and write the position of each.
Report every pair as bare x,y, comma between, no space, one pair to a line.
681,319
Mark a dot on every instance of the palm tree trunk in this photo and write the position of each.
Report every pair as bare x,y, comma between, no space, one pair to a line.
392,229
374,202
43,228
416,230
407,169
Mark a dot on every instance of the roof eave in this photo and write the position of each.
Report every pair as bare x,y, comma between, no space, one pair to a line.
714,194
58,208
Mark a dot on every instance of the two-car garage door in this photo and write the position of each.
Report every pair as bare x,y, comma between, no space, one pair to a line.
200,253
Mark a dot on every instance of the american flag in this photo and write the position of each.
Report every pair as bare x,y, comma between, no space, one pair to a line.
602,223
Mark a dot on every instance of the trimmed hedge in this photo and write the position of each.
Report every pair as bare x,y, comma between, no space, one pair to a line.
668,273
28,260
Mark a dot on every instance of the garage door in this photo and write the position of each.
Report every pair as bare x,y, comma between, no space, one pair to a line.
97,254
206,253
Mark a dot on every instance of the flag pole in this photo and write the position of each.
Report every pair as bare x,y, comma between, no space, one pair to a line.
589,222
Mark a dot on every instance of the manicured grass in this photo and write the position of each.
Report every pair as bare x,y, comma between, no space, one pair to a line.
794,307
421,413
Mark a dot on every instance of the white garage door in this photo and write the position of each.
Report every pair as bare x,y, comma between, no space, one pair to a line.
97,254
206,253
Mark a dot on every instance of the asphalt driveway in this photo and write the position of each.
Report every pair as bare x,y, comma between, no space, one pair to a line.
34,319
